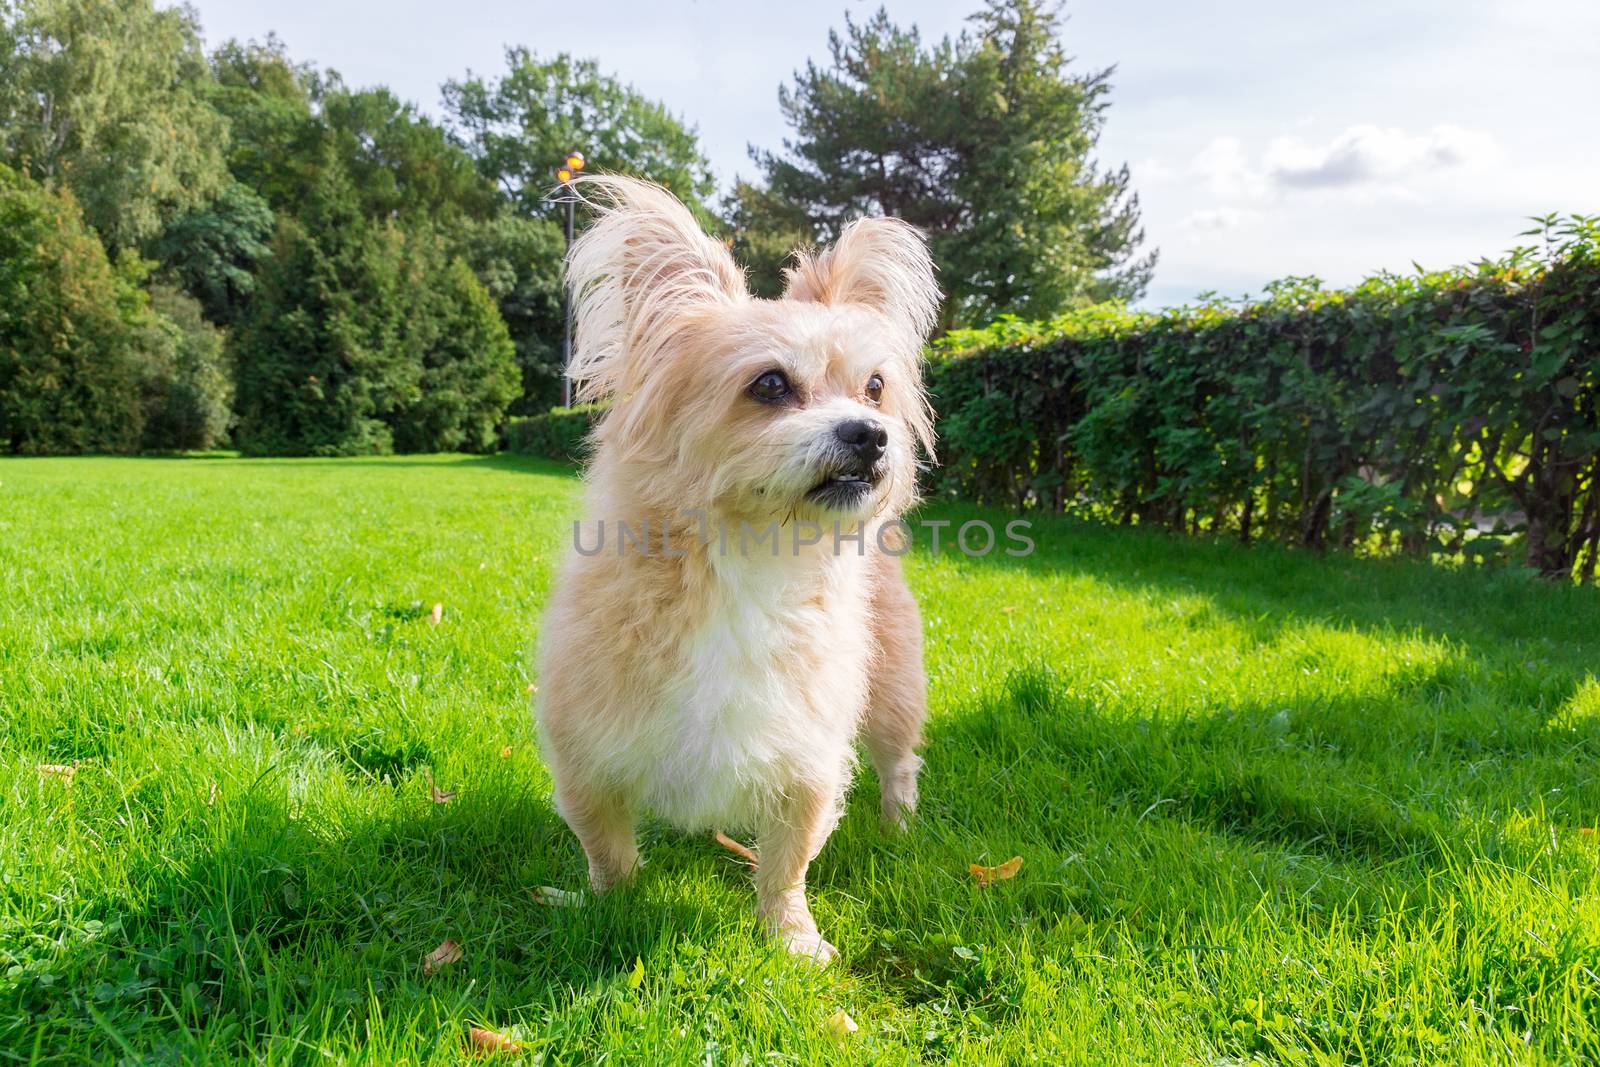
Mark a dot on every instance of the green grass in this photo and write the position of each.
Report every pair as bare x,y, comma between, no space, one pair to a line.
1271,806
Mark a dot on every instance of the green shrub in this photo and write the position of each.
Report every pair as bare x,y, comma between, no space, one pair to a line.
71,330
560,433
1415,413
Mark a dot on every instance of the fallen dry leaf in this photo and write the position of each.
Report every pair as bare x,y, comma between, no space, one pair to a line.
443,956
63,771
436,616
987,876
557,898
211,797
485,1041
841,1025
532,689
1009,609
439,795
737,849
505,753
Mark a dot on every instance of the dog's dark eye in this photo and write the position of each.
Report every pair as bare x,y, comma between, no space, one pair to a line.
771,387
875,389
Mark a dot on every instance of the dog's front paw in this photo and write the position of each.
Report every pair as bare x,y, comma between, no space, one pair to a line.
604,877
897,807
809,945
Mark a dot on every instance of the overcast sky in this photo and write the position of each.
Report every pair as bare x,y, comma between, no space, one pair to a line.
1265,138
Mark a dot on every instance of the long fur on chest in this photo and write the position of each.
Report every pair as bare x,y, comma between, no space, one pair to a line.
734,675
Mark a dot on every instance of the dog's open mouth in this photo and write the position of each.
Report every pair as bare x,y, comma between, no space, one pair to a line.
841,491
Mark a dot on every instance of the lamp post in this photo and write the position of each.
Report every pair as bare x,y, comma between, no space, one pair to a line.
566,174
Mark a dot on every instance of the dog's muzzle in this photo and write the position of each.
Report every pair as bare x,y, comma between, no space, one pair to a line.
861,446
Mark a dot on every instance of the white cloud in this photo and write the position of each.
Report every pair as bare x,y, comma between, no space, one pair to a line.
1220,218
1365,154
1226,170
1375,160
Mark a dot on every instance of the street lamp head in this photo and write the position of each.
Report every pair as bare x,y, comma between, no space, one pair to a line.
574,161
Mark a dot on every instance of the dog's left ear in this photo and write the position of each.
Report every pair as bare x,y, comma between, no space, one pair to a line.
880,263
637,271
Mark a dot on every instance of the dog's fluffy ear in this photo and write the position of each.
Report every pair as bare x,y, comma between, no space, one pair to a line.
641,265
881,263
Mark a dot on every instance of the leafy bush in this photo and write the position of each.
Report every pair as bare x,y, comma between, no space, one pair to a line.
71,330
1416,413
560,433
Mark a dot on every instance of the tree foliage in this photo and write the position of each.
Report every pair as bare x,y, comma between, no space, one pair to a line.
986,141
347,272
71,328
469,365
187,384
213,251
518,260
368,336
320,366
105,96
521,125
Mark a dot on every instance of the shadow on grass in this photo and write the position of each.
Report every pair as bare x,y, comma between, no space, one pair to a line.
1391,768
1361,800
284,926
502,461
287,928
1269,588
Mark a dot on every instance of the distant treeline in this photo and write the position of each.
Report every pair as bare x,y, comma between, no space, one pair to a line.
231,247
1455,413
202,249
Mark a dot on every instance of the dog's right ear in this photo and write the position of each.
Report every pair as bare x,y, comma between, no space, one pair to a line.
638,268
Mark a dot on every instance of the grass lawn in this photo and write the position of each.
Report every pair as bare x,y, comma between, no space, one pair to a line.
1270,806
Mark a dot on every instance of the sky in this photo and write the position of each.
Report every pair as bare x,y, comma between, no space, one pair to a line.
1265,139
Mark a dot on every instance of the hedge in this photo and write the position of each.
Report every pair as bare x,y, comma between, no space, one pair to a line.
1454,412
559,433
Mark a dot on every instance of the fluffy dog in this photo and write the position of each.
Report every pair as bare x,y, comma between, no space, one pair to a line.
715,659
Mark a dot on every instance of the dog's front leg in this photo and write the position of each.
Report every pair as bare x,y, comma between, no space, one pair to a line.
788,844
603,825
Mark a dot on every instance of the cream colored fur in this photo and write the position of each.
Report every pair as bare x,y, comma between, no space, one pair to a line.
712,687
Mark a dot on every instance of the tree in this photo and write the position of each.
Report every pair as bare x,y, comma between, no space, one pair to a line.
275,147
518,260
469,365
521,125
186,384
763,229
985,141
517,128
320,364
401,164
71,328
104,96
213,251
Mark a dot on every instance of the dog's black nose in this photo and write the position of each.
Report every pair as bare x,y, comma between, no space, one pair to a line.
865,437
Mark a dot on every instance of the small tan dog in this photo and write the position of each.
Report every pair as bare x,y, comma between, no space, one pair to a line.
690,668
